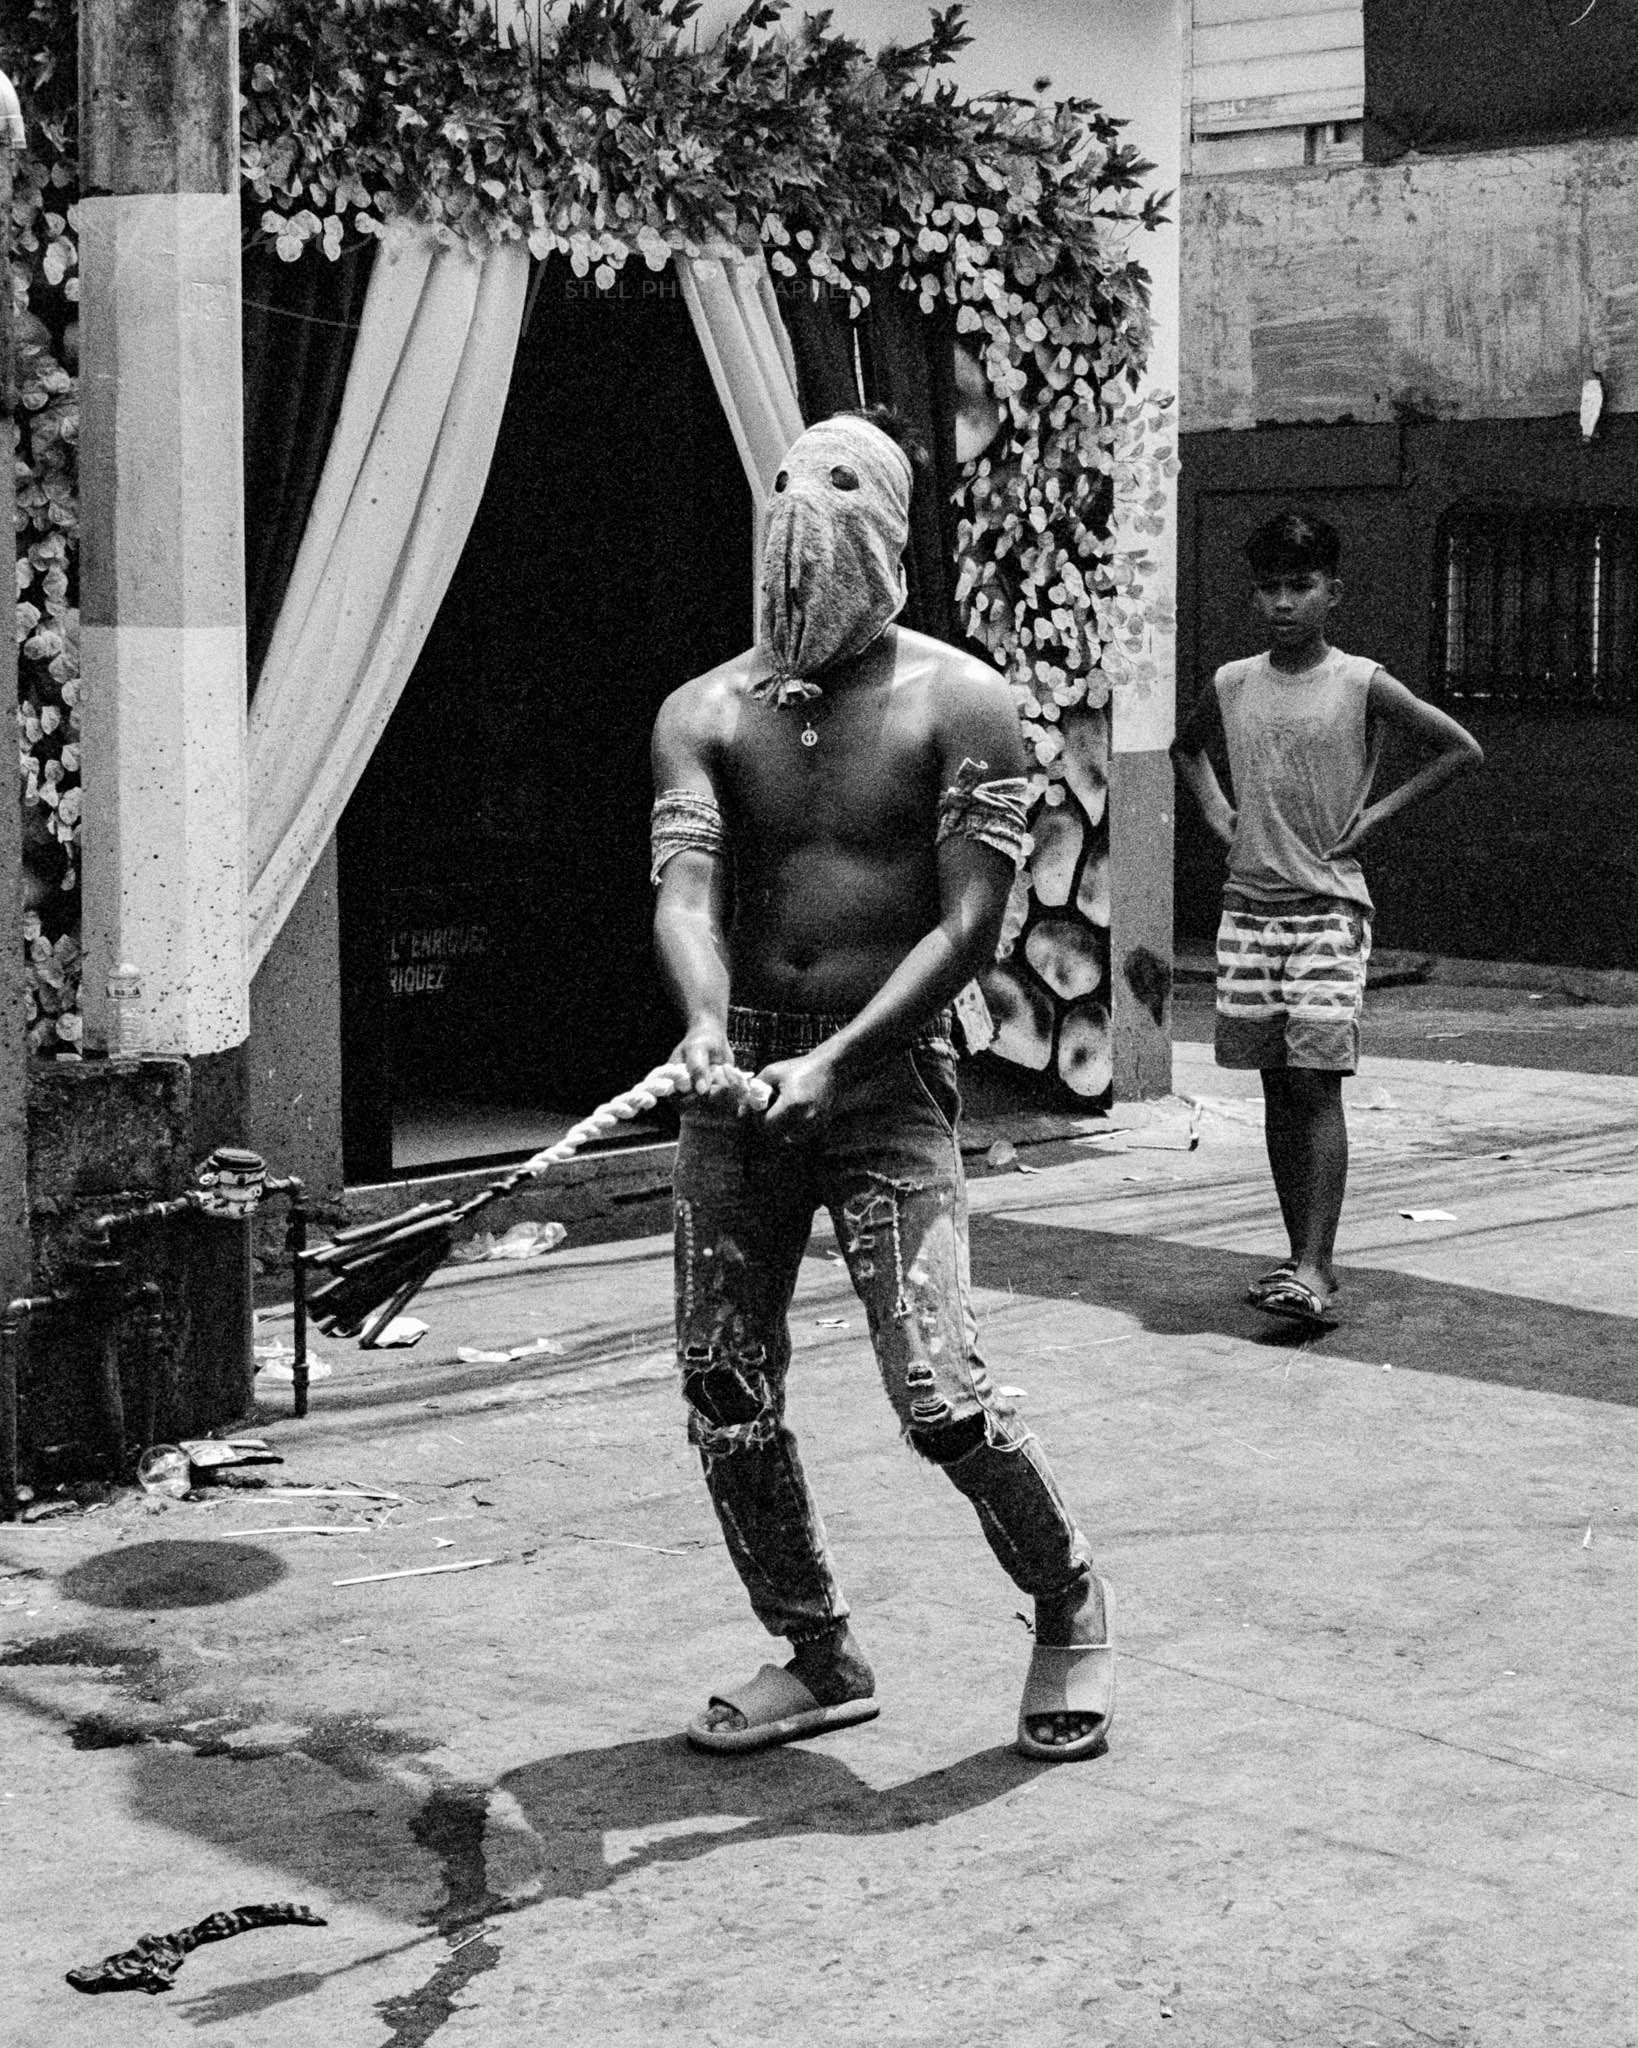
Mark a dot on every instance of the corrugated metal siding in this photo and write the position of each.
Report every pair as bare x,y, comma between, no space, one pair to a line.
1277,63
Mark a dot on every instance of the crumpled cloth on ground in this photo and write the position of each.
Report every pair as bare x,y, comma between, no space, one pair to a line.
152,1963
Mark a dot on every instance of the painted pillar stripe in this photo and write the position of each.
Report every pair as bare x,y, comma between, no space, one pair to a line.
161,400
165,877
162,617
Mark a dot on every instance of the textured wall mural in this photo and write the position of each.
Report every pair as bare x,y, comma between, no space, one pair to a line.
1049,989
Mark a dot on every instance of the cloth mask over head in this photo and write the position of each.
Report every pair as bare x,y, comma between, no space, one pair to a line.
832,573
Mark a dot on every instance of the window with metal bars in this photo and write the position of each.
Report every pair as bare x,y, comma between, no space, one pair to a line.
1537,606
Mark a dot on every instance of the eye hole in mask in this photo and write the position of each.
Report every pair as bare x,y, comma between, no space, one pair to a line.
782,479
843,478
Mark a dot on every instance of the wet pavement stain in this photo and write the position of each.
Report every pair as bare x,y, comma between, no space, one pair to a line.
347,1744
82,1648
451,1826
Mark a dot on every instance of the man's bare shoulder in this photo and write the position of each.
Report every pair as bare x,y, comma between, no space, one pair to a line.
948,669
970,705
705,704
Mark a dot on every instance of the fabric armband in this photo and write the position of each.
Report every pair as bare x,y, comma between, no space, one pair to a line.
995,813
683,822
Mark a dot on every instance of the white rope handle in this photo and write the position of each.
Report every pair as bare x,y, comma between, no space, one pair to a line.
647,1094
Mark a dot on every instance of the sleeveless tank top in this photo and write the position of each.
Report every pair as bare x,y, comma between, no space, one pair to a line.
1302,765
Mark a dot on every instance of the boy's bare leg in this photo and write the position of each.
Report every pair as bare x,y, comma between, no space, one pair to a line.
1282,1159
1310,1166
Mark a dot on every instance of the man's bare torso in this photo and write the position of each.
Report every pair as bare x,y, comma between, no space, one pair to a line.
836,876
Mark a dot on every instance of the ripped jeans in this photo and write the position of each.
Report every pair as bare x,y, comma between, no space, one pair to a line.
888,1169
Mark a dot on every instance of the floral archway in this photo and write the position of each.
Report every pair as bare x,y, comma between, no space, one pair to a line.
613,136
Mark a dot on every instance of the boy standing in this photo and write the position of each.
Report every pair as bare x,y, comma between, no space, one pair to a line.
1304,725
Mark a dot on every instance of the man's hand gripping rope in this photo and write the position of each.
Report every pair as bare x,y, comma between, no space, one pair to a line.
671,1079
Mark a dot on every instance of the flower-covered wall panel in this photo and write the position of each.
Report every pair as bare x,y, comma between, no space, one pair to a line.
617,136
1048,991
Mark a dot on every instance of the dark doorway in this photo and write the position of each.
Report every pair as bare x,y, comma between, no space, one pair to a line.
495,906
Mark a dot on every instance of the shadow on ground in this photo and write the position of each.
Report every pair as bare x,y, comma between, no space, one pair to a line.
381,1826
173,1573
1184,1290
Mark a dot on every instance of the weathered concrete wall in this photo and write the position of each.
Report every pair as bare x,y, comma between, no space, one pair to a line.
106,1136
1482,286
295,1044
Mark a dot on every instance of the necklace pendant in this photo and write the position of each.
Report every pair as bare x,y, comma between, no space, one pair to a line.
810,738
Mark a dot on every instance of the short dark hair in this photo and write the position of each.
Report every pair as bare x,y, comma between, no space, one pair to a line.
1293,543
887,420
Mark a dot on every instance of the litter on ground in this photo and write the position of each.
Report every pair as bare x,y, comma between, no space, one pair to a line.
302,1529
522,1241
152,1963
276,1362
473,1354
331,1493
400,1334
417,1571
1427,1216
616,1543
204,1453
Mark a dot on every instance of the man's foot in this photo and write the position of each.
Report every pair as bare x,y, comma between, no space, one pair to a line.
831,1666
1080,1618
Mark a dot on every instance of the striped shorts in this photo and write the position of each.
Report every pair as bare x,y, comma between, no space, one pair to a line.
1291,985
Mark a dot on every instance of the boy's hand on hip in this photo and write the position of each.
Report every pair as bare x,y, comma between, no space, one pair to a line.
804,1096
1353,839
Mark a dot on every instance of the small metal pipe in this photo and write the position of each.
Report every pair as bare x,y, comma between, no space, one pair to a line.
298,1285
149,1296
11,1330
12,1320
113,1398
100,1232
295,1243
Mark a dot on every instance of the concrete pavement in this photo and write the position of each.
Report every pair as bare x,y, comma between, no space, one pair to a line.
1373,1774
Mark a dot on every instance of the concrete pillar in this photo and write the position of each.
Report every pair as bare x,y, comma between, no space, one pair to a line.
163,663
162,553
14,1240
1149,86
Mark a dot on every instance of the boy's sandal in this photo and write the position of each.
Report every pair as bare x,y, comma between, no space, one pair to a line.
777,1707
1070,1678
1272,1278
1295,1303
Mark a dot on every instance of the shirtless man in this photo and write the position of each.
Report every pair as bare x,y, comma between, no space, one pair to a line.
840,814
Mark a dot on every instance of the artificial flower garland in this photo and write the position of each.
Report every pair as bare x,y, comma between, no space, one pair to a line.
610,133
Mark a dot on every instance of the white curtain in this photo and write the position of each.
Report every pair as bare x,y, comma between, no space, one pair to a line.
736,316
401,485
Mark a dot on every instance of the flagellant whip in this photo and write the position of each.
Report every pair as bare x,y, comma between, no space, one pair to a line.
374,1270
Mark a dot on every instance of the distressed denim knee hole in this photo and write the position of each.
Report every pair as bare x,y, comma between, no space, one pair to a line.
729,1400
941,1441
